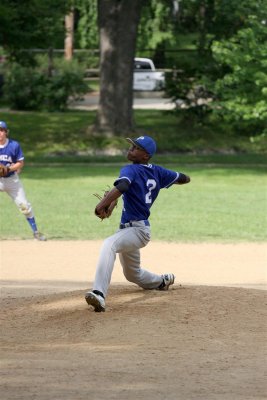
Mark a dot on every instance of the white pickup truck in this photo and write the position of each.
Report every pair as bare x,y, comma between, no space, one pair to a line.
146,77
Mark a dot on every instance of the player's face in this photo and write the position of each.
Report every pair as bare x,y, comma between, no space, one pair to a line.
137,155
3,134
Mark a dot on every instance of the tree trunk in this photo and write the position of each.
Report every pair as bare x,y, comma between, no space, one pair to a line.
69,26
206,15
118,23
202,28
50,62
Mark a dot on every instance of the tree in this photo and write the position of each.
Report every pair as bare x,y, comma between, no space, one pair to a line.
156,24
87,30
69,27
31,24
118,23
214,19
242,90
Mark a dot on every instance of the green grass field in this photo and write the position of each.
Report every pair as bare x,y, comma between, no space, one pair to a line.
221,204
57,135
225,202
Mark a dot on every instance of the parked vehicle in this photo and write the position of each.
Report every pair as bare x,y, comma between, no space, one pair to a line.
146,77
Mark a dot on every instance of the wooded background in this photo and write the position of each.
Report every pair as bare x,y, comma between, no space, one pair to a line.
215,52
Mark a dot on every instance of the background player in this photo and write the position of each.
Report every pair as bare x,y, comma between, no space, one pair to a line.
12,157
140,183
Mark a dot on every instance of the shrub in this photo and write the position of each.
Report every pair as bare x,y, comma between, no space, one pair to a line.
28,88
66,82
23,88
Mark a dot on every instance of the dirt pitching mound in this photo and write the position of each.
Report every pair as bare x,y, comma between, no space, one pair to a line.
203,339
187,343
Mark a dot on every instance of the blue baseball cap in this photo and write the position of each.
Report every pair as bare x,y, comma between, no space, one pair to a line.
3,125
146,143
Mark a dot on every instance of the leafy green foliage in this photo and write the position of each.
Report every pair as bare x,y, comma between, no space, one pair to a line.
197,24
156,25
23,88
228,86
29,24
65,83
242,91
87,29
29,88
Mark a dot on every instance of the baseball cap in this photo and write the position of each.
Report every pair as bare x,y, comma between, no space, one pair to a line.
144,142
3,125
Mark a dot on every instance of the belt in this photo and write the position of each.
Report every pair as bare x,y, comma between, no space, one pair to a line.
8,176
134,223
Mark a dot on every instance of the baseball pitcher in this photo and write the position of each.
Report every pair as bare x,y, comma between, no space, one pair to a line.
139,184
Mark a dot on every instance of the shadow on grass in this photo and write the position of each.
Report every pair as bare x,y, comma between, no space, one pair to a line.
74,171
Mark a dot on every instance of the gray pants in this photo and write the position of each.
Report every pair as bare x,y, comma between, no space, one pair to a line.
127,243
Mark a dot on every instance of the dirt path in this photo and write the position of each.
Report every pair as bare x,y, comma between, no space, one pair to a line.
204,339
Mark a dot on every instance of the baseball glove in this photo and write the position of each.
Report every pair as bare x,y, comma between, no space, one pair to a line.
107,211
4,170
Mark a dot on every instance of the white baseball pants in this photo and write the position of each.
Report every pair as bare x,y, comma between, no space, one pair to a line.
127,243
14,188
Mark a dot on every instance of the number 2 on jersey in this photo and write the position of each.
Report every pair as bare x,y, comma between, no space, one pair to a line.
151,184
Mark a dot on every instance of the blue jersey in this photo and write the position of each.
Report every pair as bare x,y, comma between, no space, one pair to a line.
10,153
145,184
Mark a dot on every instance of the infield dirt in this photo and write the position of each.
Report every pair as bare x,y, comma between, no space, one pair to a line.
203,339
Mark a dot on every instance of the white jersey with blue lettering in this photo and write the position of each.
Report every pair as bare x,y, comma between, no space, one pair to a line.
10,153
145,181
